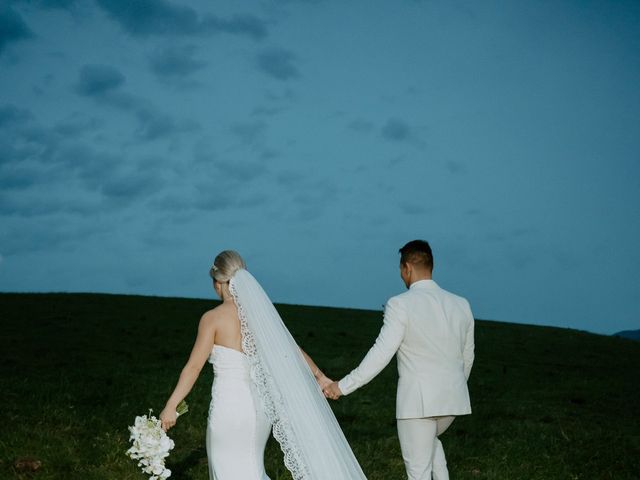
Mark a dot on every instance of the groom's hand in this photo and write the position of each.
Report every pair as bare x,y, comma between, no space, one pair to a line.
333,391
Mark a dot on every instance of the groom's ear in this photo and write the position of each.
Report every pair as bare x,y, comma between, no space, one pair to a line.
405,269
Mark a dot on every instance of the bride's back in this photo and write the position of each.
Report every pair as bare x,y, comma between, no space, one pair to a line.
227,326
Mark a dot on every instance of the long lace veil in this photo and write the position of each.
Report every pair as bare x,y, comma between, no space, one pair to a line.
313,444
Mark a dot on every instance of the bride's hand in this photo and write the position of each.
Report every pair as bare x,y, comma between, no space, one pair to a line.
324,381
168,418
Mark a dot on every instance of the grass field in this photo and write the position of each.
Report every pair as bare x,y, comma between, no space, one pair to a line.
76,369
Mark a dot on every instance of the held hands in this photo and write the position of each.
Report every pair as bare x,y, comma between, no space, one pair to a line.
321,378
332,391
323,381
328,386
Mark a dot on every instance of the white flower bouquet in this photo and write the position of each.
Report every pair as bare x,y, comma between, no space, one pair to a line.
151,444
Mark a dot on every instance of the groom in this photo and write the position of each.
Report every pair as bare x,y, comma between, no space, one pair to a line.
431,330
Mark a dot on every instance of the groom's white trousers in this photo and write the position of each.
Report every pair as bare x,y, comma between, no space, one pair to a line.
421,449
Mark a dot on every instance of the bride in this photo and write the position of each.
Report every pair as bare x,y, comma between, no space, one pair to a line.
263,381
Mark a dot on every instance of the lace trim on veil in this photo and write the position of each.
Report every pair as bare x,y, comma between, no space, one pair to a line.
271,398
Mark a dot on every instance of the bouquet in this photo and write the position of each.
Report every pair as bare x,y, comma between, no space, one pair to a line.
151,444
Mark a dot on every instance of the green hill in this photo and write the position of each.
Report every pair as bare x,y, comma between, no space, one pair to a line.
76,369
632,334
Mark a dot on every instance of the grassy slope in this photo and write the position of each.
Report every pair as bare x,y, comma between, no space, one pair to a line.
76,368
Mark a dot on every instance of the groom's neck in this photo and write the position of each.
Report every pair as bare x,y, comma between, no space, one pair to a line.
420,275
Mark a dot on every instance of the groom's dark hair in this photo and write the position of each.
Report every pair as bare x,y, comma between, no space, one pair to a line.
417,252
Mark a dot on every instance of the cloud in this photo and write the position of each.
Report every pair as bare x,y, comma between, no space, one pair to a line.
237,165
16,178
61,4
277,63
413,208
243,171
222,195
286,96
269,154
309,206
21,149
154,124
360,126
252,135
310,196
152,17
103,82
51,4
290,178
49,171
91,166
12,28
104,173
266,111
41,205
276,102
455,167
172,202
76,124
160,17
396,130
47,234
22,140
240,25
208,200
33,155
174,62
111,175
96,80
298,1
132,185
249,133
10,114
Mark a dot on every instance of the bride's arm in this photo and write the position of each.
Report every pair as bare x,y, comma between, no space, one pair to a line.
199,354
321,378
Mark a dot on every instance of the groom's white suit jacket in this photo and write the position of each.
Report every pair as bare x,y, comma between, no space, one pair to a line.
432,332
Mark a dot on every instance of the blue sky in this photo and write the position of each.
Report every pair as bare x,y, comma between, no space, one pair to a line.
140,137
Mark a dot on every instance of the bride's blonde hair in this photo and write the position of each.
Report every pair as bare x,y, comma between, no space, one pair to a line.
226,264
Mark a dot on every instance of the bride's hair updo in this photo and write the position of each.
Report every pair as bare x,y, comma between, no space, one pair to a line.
226,264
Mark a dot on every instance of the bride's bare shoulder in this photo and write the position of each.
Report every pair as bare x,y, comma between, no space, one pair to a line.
219,313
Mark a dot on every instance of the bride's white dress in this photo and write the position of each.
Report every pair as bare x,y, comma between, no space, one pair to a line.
237,428
266,387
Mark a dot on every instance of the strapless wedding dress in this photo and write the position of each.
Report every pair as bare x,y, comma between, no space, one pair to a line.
237,427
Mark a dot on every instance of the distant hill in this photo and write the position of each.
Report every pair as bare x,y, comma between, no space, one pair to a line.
632,334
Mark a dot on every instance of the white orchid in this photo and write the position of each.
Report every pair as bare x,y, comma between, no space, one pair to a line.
151,444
